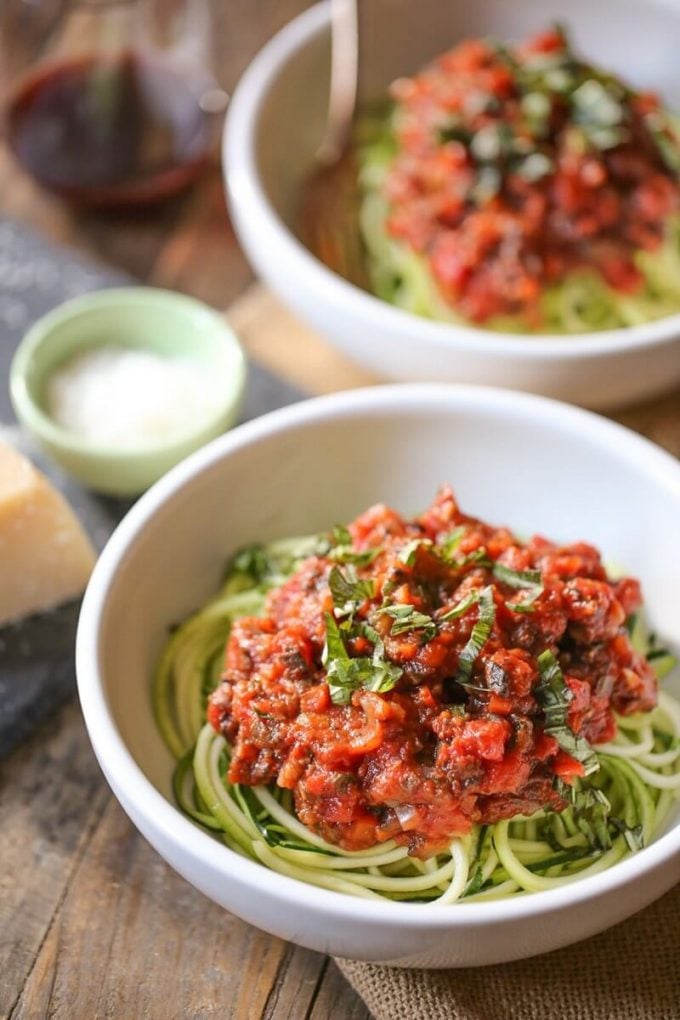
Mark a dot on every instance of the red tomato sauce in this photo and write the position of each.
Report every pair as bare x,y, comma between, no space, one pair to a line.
425,760
516,166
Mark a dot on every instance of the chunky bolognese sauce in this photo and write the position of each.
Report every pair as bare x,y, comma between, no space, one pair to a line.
418,676
515,166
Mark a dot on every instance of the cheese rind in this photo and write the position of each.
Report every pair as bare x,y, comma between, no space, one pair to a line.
45,556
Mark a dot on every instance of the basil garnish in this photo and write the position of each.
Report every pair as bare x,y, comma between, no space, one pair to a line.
348,591
345,674
460,607
530,580
338,547
450,542
479,636
634,837
555,697
407,554
252,561
407,618
478,557
591,809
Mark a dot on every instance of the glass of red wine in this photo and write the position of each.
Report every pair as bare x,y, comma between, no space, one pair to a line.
109,103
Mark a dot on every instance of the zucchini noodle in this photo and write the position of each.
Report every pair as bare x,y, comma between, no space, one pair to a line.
581,303
639,779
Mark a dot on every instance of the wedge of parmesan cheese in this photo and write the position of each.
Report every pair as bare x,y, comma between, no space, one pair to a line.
45,556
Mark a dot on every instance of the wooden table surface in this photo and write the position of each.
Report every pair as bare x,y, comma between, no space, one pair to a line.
92,922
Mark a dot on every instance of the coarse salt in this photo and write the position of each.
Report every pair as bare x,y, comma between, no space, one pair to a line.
126,397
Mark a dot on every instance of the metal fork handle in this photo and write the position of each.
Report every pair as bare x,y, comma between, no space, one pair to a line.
344,80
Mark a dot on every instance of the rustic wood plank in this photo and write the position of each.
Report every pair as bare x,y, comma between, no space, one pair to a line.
51,795
296,985
658,420
278,339
337,1000
133,939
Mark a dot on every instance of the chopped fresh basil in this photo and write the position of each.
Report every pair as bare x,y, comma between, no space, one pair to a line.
359,558
560,79
460,607
657,653
594,104
407,618
348,590
454,132
479,557
591,811
479,636
555,697
252,561
338,547
535,166
487,184
608,137
536,105
407,555
517,578
487,144
597,108
334,648
340,535
265,565
449,543
362,629
345,674
528,580
634,837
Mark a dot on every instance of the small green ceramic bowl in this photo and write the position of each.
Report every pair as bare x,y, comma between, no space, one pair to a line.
137,317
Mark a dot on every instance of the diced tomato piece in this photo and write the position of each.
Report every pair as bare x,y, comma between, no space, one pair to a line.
567,767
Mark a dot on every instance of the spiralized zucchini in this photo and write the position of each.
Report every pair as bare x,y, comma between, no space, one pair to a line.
638,780
581,303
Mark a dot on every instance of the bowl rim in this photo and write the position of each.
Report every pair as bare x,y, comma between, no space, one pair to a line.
246,191
133,788
109,300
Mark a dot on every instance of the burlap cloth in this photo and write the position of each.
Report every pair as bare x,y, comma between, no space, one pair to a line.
631,972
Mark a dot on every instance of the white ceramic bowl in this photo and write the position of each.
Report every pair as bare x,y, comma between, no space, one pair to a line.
528,462
276,122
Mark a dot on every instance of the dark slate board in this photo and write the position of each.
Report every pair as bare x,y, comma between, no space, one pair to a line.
37,655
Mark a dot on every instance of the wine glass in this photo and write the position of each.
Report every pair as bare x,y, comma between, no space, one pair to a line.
110,103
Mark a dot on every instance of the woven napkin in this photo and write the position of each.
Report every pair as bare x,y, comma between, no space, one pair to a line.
631,972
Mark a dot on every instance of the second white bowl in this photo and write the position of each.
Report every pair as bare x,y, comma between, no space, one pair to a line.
276,122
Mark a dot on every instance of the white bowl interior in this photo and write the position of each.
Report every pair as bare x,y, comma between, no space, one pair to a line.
527,463
607,32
